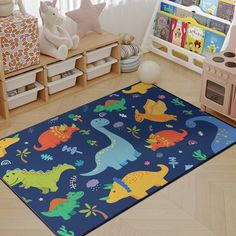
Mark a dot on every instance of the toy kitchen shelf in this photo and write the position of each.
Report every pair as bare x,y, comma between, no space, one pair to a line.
92,47
176,53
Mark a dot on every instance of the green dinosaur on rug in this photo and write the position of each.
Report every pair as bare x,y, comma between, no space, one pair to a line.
64,207
111,105
45,181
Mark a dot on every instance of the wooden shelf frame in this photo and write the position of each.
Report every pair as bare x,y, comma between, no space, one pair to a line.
89,43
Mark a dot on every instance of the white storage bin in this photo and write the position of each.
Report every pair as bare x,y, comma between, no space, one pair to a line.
62,66
100,70
64,83
24,98
100,53
21,80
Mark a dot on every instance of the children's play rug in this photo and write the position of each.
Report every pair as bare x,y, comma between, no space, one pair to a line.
81,169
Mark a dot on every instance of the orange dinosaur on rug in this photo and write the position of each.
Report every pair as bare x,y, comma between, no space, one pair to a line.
165,138
154,111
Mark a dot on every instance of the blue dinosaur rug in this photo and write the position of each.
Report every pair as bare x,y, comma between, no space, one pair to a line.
80,169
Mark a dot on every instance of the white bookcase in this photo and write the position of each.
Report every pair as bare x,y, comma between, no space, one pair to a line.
175,53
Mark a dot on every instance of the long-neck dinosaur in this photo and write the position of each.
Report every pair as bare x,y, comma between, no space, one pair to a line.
116,154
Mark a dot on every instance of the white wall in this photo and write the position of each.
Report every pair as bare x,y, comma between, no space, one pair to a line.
131,17
120,16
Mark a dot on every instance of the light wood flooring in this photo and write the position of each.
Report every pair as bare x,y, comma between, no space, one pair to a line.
203,203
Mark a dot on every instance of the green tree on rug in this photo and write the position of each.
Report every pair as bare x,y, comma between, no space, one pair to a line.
23,154
188,112
134,131
64,232
199,155
178,102
91,210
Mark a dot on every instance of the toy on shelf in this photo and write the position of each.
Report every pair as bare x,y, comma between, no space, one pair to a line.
55,41
7,7
130,53
219,80
87,17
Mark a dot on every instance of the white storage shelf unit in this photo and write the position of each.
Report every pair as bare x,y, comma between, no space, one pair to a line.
99,54
173,52
26,97
19,81
59,68
100,70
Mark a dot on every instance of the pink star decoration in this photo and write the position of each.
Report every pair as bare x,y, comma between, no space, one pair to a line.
86,17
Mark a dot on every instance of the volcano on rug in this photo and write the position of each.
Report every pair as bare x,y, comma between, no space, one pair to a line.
81,169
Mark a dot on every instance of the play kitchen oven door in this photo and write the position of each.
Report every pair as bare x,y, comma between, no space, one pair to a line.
233,104
216,92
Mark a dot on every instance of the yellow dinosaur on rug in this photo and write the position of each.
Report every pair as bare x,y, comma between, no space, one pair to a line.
154,111
139,88
136,184
6,142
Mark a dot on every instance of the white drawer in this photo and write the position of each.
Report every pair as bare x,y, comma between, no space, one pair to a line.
22,80
100,53
64,83
24,98
62,66
101,69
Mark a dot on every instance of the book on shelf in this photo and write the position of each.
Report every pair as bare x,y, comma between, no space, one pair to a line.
190,2
202,20
178,32
161,27
168,8
226,10
219,26
209,6
195,38
183,13
213,43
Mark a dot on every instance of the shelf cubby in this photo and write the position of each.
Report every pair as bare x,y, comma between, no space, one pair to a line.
89,43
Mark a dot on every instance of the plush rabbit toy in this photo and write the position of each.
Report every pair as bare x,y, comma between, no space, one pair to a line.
7,7
55,41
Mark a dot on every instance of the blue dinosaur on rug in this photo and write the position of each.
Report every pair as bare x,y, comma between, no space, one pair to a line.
103,157
80,169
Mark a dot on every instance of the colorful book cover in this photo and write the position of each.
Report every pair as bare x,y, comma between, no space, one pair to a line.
195,38
226,10
162,26
217,25
183,13
178,32
209,6
212,43
168,8
190,2
202,20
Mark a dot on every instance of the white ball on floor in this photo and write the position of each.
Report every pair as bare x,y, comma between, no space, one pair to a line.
149,72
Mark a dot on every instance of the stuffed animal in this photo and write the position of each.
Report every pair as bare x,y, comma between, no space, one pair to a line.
126,38
54,40
7,7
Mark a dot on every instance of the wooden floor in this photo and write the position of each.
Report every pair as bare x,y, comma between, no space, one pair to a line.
203,203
